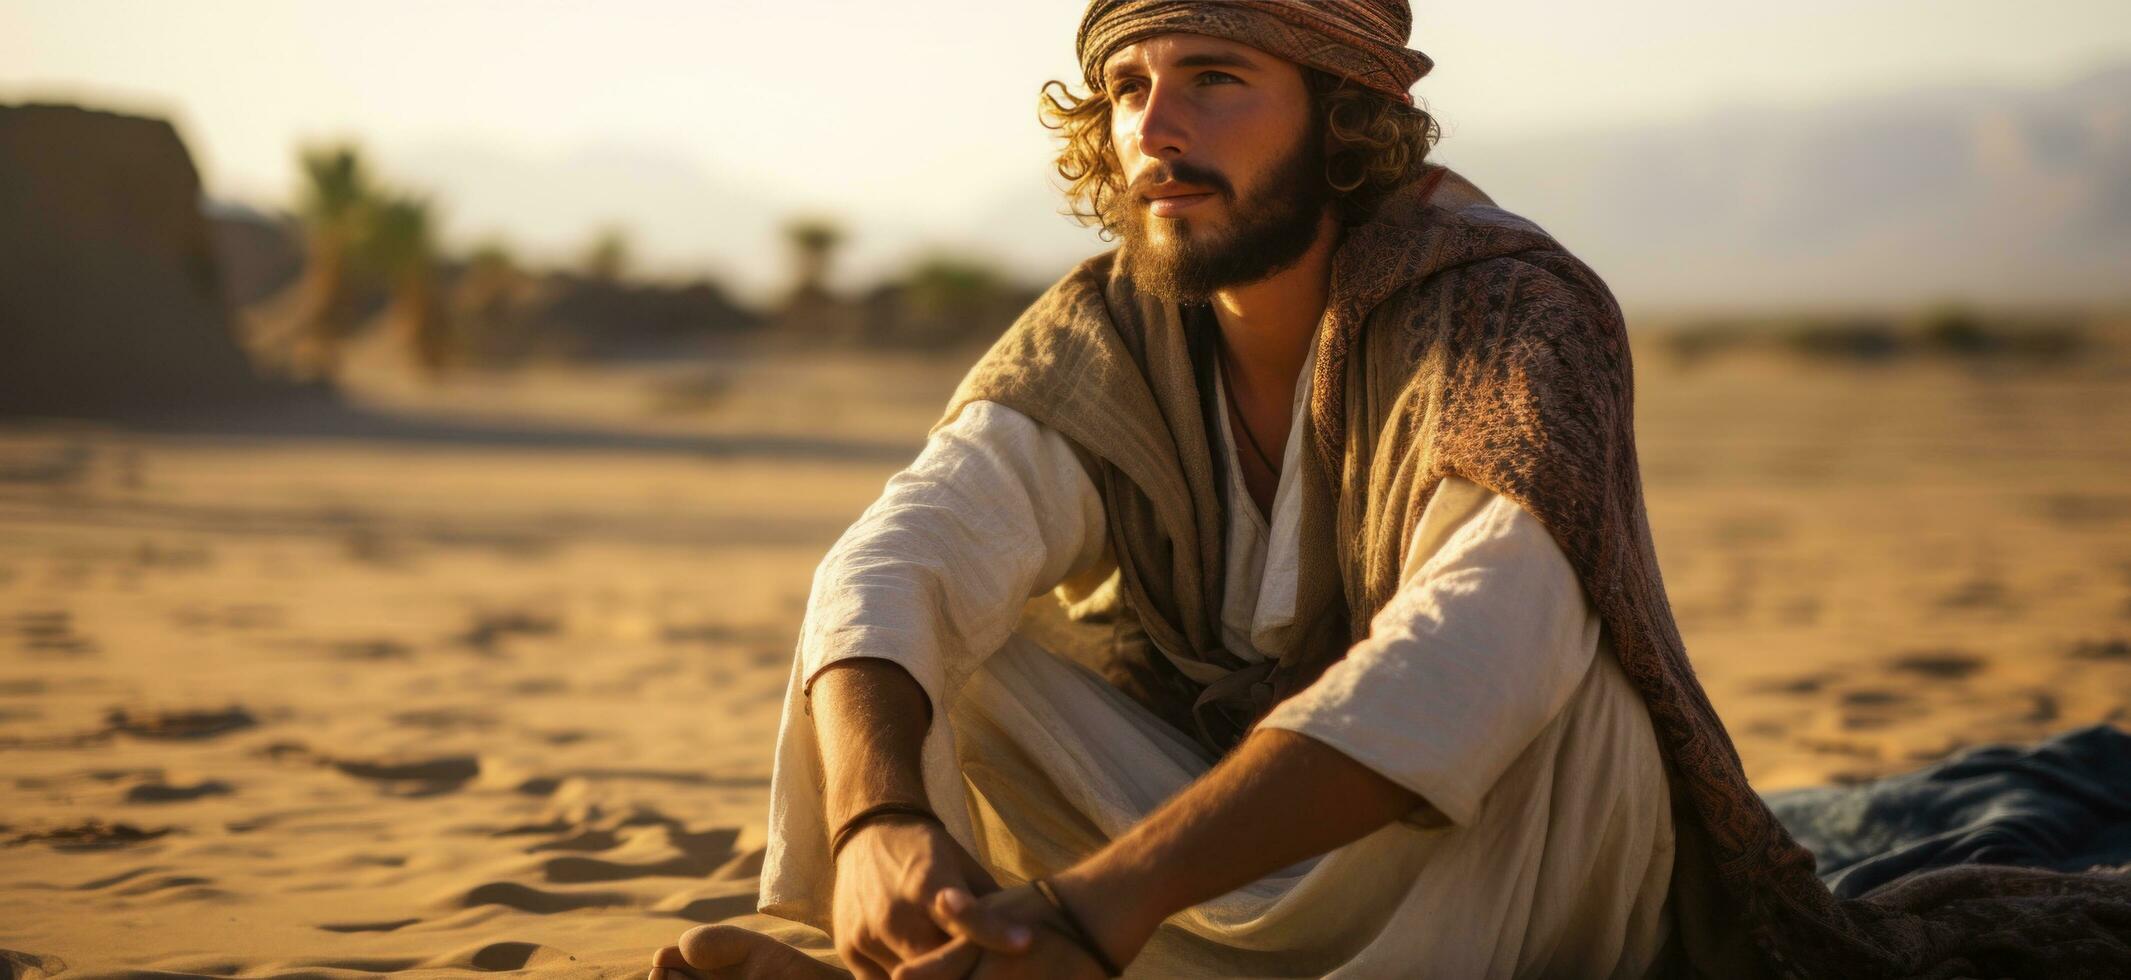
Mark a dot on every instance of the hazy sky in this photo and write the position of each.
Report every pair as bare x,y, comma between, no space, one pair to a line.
912,120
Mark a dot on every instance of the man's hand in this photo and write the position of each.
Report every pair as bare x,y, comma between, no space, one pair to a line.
1050,957
1277,798
887,879
982,946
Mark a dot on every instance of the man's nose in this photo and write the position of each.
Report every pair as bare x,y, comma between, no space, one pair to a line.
1163,130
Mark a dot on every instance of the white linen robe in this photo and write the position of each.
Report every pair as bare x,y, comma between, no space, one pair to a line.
1486,685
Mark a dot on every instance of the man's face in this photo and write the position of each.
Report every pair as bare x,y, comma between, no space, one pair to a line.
1224,168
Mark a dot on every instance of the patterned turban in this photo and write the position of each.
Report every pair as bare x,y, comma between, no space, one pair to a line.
1362,40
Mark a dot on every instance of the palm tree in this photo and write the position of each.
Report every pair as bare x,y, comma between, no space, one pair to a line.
482,299
335,193
607,258
813,241
402,248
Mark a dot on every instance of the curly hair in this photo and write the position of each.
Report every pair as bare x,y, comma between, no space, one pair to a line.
1373,144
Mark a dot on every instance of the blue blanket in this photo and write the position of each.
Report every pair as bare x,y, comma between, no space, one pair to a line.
2062,804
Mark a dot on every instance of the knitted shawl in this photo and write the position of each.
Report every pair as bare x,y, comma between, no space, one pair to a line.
1466,341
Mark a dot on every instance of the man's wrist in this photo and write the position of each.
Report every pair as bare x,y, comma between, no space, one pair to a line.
890,811
868,835
841,805
1115,904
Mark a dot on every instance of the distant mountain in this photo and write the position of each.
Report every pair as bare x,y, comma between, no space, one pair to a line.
1986,193
1991,194
1983,193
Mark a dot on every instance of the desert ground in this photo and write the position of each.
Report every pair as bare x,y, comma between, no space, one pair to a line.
486,676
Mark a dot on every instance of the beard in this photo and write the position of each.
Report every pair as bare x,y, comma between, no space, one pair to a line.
1270,228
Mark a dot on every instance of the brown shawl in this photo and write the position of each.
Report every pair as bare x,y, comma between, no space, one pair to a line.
1467,341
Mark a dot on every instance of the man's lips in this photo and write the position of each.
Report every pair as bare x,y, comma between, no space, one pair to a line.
1173,202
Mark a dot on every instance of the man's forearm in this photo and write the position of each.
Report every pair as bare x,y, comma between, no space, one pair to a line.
1278,798
870,718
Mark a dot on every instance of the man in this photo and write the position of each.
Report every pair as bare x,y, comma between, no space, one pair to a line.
1355,660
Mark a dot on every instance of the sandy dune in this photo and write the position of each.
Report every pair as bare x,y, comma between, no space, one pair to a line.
497,692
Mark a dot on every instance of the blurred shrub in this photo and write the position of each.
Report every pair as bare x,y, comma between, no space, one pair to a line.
1954,329
1958,330
1950,330
943,301
1692,343
607,258
1857,338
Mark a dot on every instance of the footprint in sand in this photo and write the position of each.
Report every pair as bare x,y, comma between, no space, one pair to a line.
589,840
52,632
447,719
179,724
1799,686
494,957
160,792
89,835
580,870
411,776
747,864
555,826
701,854
538,785
241,616
2113,648
1977,594
490,629
534,687
172,888
416,777
2084,510
526,898
1951,665
584,818
715,844
1866,709
1837,746
1764,728
711,902
388,926
370,650
447,768
117,879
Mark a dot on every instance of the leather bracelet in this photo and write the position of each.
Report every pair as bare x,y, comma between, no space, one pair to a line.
877,810
1079,934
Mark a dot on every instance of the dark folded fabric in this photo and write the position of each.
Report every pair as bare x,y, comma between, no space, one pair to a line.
2063,804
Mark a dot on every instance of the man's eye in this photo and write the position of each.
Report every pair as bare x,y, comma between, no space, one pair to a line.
1217,76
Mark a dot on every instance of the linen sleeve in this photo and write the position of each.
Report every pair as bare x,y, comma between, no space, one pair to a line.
995,510
1483,644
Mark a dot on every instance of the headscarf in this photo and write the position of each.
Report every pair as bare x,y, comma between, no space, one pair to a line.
1361,40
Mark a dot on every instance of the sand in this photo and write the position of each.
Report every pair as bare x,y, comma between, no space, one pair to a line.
490,682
